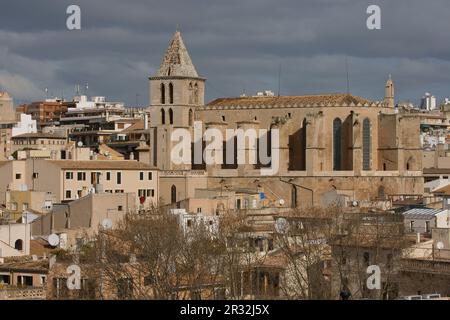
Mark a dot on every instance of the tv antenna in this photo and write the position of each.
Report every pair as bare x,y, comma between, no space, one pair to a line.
279,78
346,70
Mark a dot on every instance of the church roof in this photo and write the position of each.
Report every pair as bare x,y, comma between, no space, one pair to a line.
338,99
177,61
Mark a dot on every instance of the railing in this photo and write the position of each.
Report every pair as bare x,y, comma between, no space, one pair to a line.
16,293
166,173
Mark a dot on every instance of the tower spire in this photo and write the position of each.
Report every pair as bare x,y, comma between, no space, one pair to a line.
389,93
177,61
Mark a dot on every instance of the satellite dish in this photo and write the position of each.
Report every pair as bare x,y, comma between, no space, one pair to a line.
53,239
79,144
281,202
281,225
107,224
440,245
355,203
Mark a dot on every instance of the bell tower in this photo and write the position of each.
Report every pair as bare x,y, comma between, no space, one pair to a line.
175,92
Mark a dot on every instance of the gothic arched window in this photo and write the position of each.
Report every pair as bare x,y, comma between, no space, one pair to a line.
170,116
367,144
191,117
163,93
410,164
196,93
337,144
171,93
190,93
173,194
163,116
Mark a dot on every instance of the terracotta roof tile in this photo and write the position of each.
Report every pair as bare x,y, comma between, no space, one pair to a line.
334,99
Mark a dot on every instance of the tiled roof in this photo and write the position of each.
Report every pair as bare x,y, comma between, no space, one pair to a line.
101,164
325,99
421,213
139,125
442,190
38,135
24,264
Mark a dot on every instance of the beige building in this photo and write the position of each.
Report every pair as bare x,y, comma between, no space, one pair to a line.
83,217
16,202
68,180
39,141
361,149
15,239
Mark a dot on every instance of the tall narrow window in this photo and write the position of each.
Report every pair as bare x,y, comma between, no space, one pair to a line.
190,93
163,116
294,197
170,116
410,164
163,93
367,147
337,144
171,93
173,194
195,93
191,117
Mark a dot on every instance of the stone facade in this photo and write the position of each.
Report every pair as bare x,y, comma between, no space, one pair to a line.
362,149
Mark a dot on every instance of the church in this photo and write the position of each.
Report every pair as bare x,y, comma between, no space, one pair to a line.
329,144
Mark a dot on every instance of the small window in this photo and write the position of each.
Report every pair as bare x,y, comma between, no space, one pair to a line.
81,176
120,208
199,210
150,175
35,175
18,175
69,175
411,226
141,176
108,176
68,194
119,177
366,257
427,226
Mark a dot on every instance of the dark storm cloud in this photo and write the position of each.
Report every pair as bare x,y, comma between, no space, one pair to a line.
237,45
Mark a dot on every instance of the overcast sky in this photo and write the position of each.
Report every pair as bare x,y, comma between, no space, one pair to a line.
236,44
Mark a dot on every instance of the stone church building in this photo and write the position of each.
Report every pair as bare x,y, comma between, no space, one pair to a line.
329,144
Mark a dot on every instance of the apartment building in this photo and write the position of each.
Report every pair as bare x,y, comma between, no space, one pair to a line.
68,180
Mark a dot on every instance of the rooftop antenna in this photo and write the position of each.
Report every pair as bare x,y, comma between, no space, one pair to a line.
77,89
279,78
346,69
46,93
178,28
87,88
137,99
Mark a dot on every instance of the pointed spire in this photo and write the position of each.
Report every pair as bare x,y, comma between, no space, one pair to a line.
389,93
177,61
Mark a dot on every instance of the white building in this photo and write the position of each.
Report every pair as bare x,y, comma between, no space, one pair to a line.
25,125
428,102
